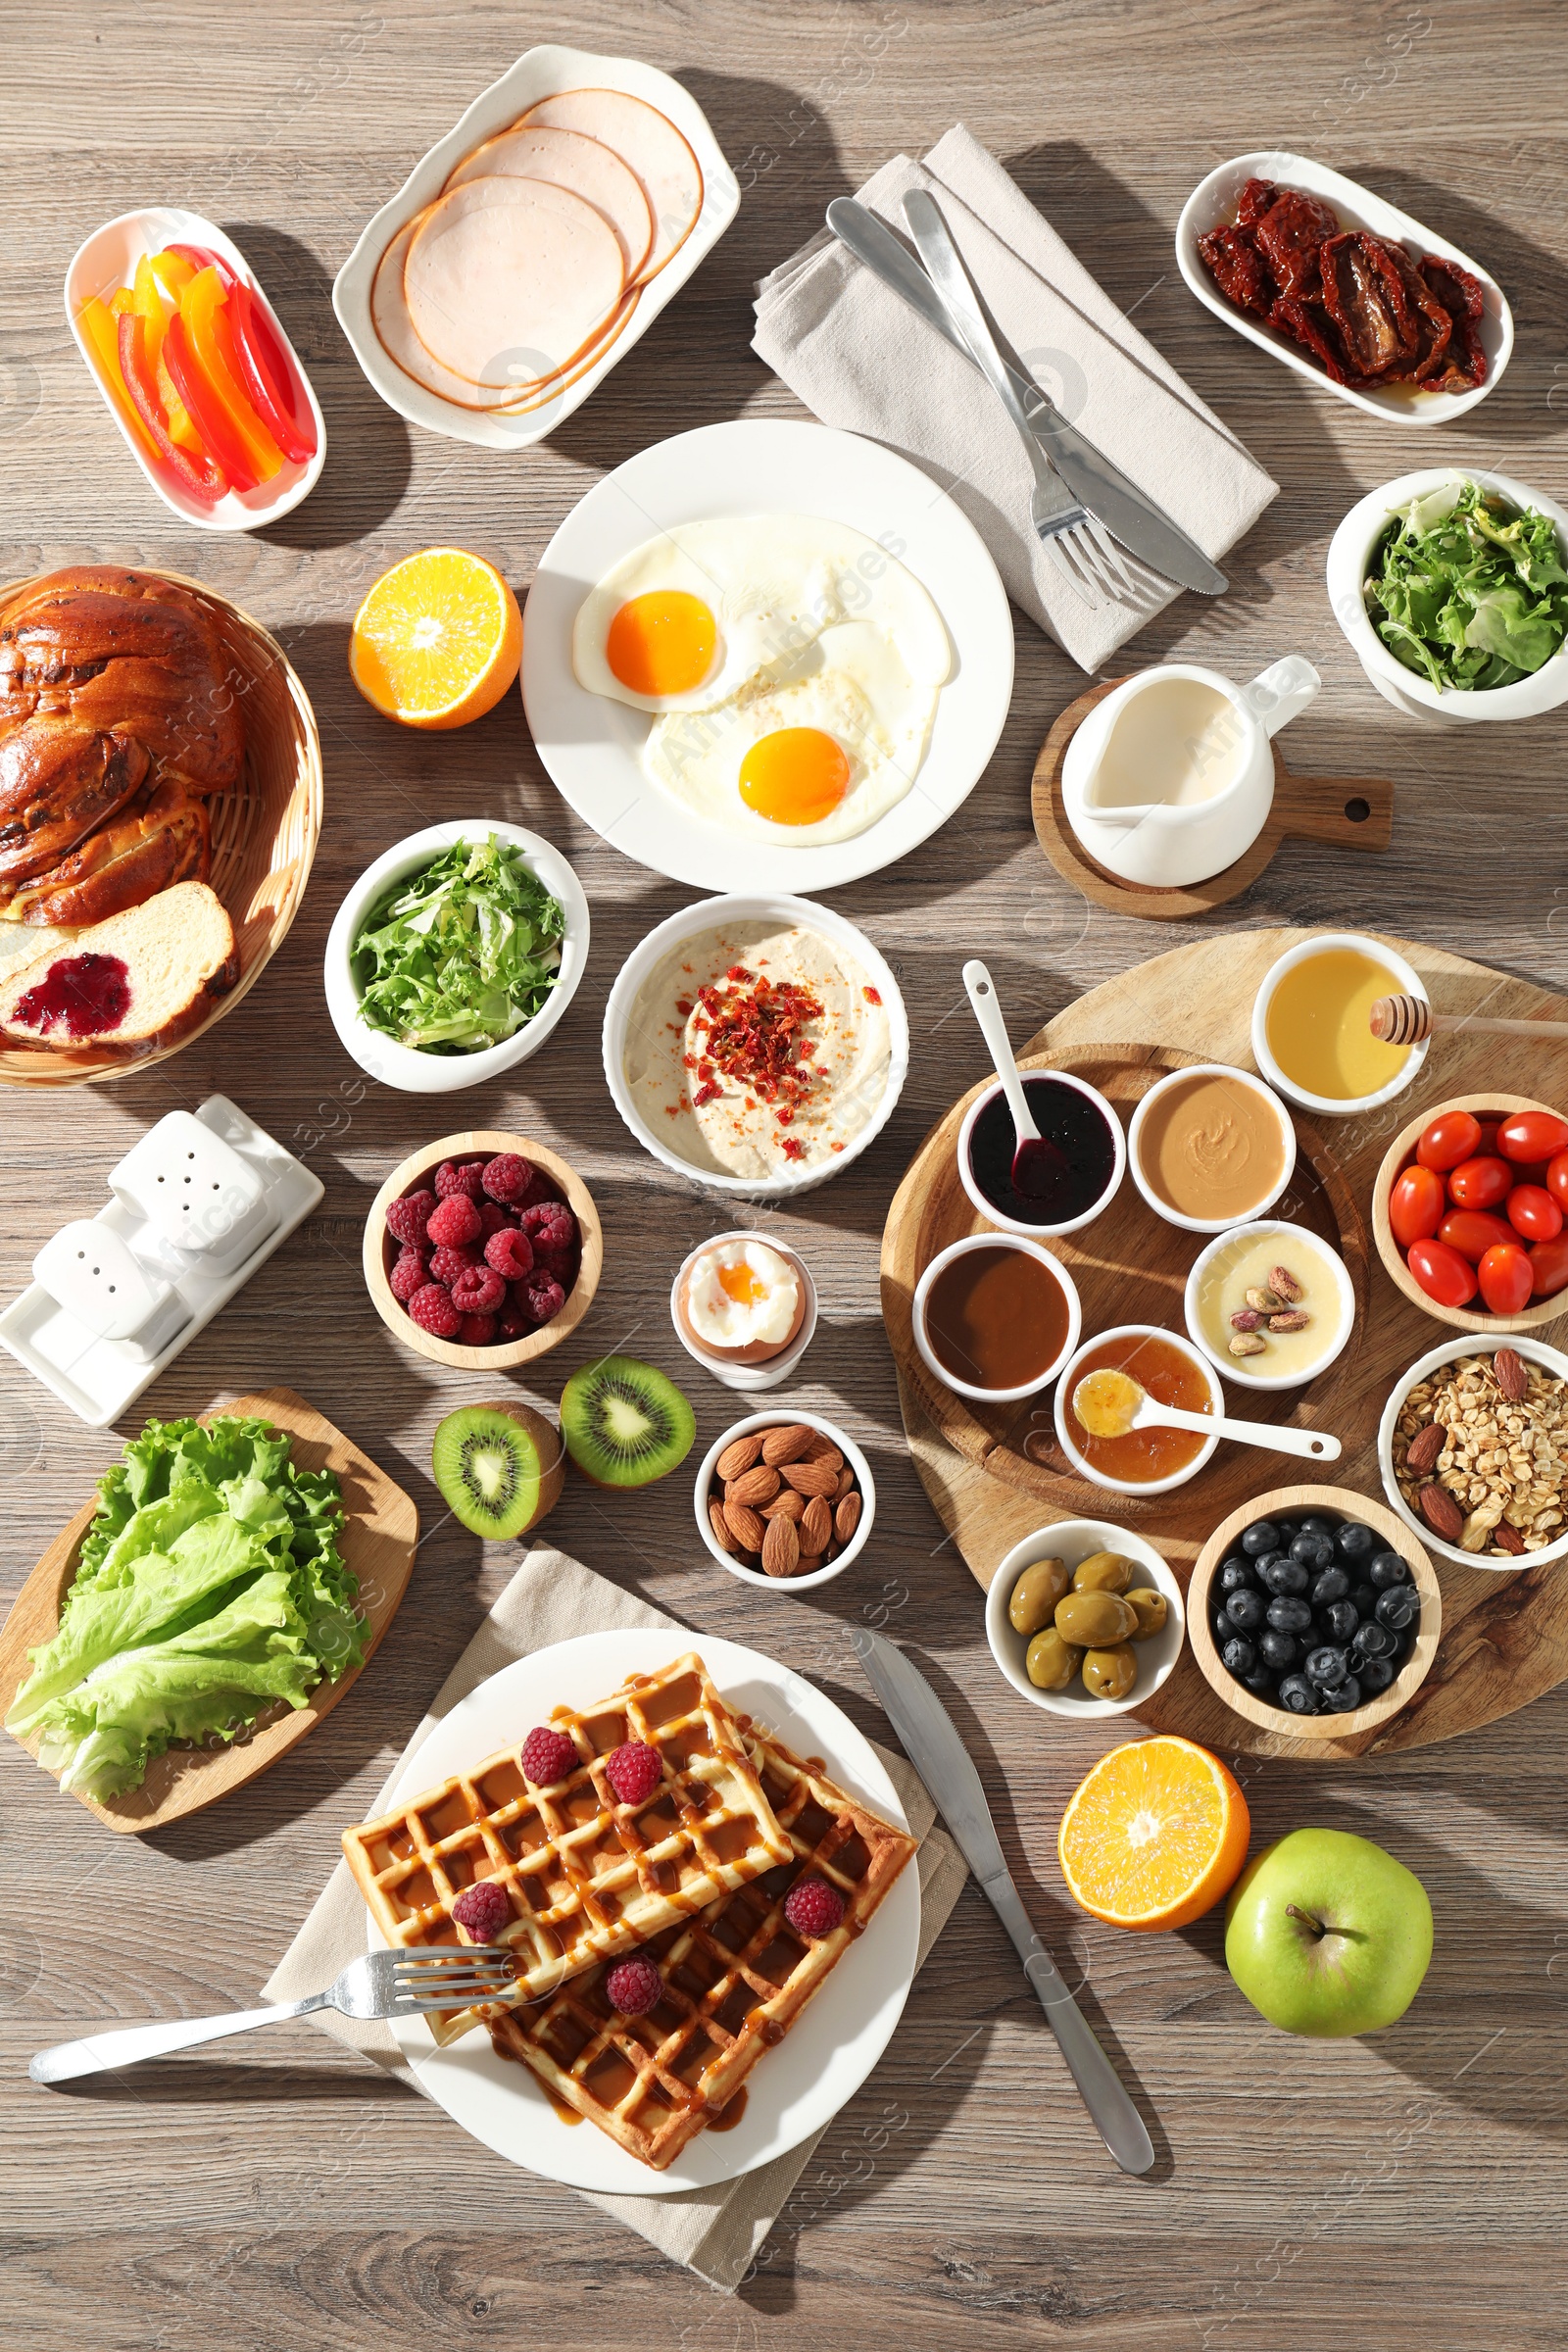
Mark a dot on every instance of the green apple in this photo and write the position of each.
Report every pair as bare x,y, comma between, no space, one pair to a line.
1328,1934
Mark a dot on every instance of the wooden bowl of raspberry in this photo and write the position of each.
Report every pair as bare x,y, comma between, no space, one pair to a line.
482,1250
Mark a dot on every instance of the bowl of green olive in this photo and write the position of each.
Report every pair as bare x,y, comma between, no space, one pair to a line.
1085,1618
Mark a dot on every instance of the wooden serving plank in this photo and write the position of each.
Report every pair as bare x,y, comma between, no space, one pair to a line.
380,1534
1504,1634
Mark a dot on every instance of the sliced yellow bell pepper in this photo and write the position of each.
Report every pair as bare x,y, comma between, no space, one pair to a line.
148,300
121,303
200,305
174,275
100,326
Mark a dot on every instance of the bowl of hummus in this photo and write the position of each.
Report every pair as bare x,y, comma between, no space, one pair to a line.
756,1043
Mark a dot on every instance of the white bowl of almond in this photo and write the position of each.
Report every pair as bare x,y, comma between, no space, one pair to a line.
1473,1447
785,1499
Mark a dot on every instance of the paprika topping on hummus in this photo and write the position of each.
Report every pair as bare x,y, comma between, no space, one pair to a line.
751,1051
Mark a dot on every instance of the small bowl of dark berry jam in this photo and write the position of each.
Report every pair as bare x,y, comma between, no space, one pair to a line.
1070,1182
996,1319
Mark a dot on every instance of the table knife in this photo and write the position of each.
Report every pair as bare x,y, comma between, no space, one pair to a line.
933,1746
1126,512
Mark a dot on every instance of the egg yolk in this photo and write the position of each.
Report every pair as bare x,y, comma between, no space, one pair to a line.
740,1284
795,776
661,643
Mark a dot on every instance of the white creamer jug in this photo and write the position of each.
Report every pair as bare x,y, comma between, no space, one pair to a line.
1171,779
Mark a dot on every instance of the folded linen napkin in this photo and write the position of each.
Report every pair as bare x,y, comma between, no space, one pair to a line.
714,2232
859,358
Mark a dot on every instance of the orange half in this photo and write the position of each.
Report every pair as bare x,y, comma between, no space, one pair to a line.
1156,1836
439,640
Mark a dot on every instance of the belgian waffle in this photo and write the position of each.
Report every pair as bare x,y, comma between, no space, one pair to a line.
736,1976
587,1876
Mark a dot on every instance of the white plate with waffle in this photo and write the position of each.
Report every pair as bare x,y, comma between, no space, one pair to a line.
728,1996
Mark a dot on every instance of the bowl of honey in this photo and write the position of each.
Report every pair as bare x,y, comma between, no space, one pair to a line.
996,1317
1311,1024
1170,1370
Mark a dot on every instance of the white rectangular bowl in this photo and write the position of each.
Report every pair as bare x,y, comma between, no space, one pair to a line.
540,73
1214,201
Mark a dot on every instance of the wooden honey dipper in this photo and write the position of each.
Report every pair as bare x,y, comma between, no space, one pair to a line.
1406,1021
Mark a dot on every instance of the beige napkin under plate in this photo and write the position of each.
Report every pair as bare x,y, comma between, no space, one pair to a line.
715,2232
861,359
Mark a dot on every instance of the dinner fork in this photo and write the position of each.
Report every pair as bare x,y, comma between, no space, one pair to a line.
391,1984
1086,558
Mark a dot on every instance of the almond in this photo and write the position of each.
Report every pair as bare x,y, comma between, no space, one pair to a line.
781,1548
812,1477
745,1526
1425,1447
1512,1377
847,1518
1508,1538
824,1451
846,1482
785,1505
1441,1513
739,1457
752,1487
722,1534
816,1525
786,1443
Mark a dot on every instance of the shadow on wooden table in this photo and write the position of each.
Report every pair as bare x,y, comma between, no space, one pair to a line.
190,2081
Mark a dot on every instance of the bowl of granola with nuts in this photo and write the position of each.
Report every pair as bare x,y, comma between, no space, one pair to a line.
1473,1448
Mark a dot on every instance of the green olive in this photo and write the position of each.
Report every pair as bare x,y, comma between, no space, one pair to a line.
1049,1662
1094,1620
1110,1673
1035,1594
1151,1608
1102,1572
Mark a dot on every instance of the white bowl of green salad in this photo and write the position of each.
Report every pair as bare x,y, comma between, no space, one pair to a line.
1453,588
455,955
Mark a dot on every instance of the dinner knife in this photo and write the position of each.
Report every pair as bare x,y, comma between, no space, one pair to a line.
943,1763
1126,512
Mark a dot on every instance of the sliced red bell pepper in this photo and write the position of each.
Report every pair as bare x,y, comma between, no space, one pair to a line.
198,476
222,442
202,308
102,330
271,393
200,259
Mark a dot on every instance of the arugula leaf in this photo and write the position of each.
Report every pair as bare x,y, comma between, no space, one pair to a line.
457,957
1466,592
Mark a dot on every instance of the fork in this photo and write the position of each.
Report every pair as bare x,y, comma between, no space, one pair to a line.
1085,556
390,1983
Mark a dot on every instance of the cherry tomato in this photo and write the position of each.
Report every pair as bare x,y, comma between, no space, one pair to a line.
1480,1183
1506,1278
1474,1231
1532,1135
1453,1137
1557,1179
1532,1211
1442,1273
1548,1266
1416,1205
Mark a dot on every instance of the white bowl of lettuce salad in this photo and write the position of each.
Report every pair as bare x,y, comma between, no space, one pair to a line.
455,955
1452,585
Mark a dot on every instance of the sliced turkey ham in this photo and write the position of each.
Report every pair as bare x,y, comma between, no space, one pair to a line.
649,142
570,160
503,268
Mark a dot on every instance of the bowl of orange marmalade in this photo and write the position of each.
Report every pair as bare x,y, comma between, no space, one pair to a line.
1141,1461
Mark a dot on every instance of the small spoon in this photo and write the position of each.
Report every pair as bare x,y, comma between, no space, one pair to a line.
1038,1164
1108,1403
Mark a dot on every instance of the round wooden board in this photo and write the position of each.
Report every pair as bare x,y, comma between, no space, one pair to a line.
1505,1637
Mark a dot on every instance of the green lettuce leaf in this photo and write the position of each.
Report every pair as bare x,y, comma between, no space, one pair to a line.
457,957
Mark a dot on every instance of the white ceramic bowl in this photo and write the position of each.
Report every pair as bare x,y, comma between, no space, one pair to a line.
1242,1078
1029,1248
774,1370
1333,1106
1214,201
1533,1352
108,261
1236,1368
713,914
1349,558
1069,1380
851,1455
1074,1541
989,1211
406,1068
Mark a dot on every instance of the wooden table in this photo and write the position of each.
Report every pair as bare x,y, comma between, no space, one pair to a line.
1408,2191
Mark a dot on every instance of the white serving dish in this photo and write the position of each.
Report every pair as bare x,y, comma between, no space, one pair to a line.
1237,1367
1164,1085
1069,1381
406,1068
773,1370
776,1419
710,914
1333,1106
1214,201
1075,1541
1533,1352
988,1209
538,73
1029,1248
591,745
1349,558
106,261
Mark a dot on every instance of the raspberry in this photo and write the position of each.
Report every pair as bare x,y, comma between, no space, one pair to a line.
478,1291
559,1264
813,1908
493,1218
453,1179
483,1909
409,1275
548,1756
511,1254
508,1176
447,1264
633,1772
476,1330
633,1986
544,1300
456,1221
513,1321
539,1187
406,1219
549,1226
432,1309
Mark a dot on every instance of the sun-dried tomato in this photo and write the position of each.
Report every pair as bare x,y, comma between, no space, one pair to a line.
750,1032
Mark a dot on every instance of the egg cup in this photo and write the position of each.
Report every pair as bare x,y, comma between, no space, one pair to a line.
747,1379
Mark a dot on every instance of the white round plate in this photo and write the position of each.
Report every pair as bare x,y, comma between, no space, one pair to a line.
838,2035
590,745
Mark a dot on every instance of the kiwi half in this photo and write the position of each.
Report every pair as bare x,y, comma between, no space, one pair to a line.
625,1423
500,1466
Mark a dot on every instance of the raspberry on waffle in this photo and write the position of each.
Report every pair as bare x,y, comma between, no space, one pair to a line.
586,1875
735,1977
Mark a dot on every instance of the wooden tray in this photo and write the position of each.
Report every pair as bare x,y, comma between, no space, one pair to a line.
380,1532
1350,813
1505,1635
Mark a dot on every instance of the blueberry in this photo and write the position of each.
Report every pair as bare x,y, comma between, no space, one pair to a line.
1288,1615
1327,1665
1313,1550
1245,1610
1222,1630
1374,1675
1386,1569
1354,1541
1342,1698
1399,1606
1342,1619
1298,1695
1374,1641
1260,1681
1238,1657
1278,1651
1262,1536
1281,1574
1365,1598
1315,1524
1235,1574
1331,1585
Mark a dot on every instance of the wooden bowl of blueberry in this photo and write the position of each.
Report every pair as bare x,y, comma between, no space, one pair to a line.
1314,1612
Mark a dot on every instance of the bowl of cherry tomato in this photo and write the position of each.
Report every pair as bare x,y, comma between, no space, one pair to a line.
1470,1213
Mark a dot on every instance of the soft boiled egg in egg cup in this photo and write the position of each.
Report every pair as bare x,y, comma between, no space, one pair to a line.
745,1309
790,666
